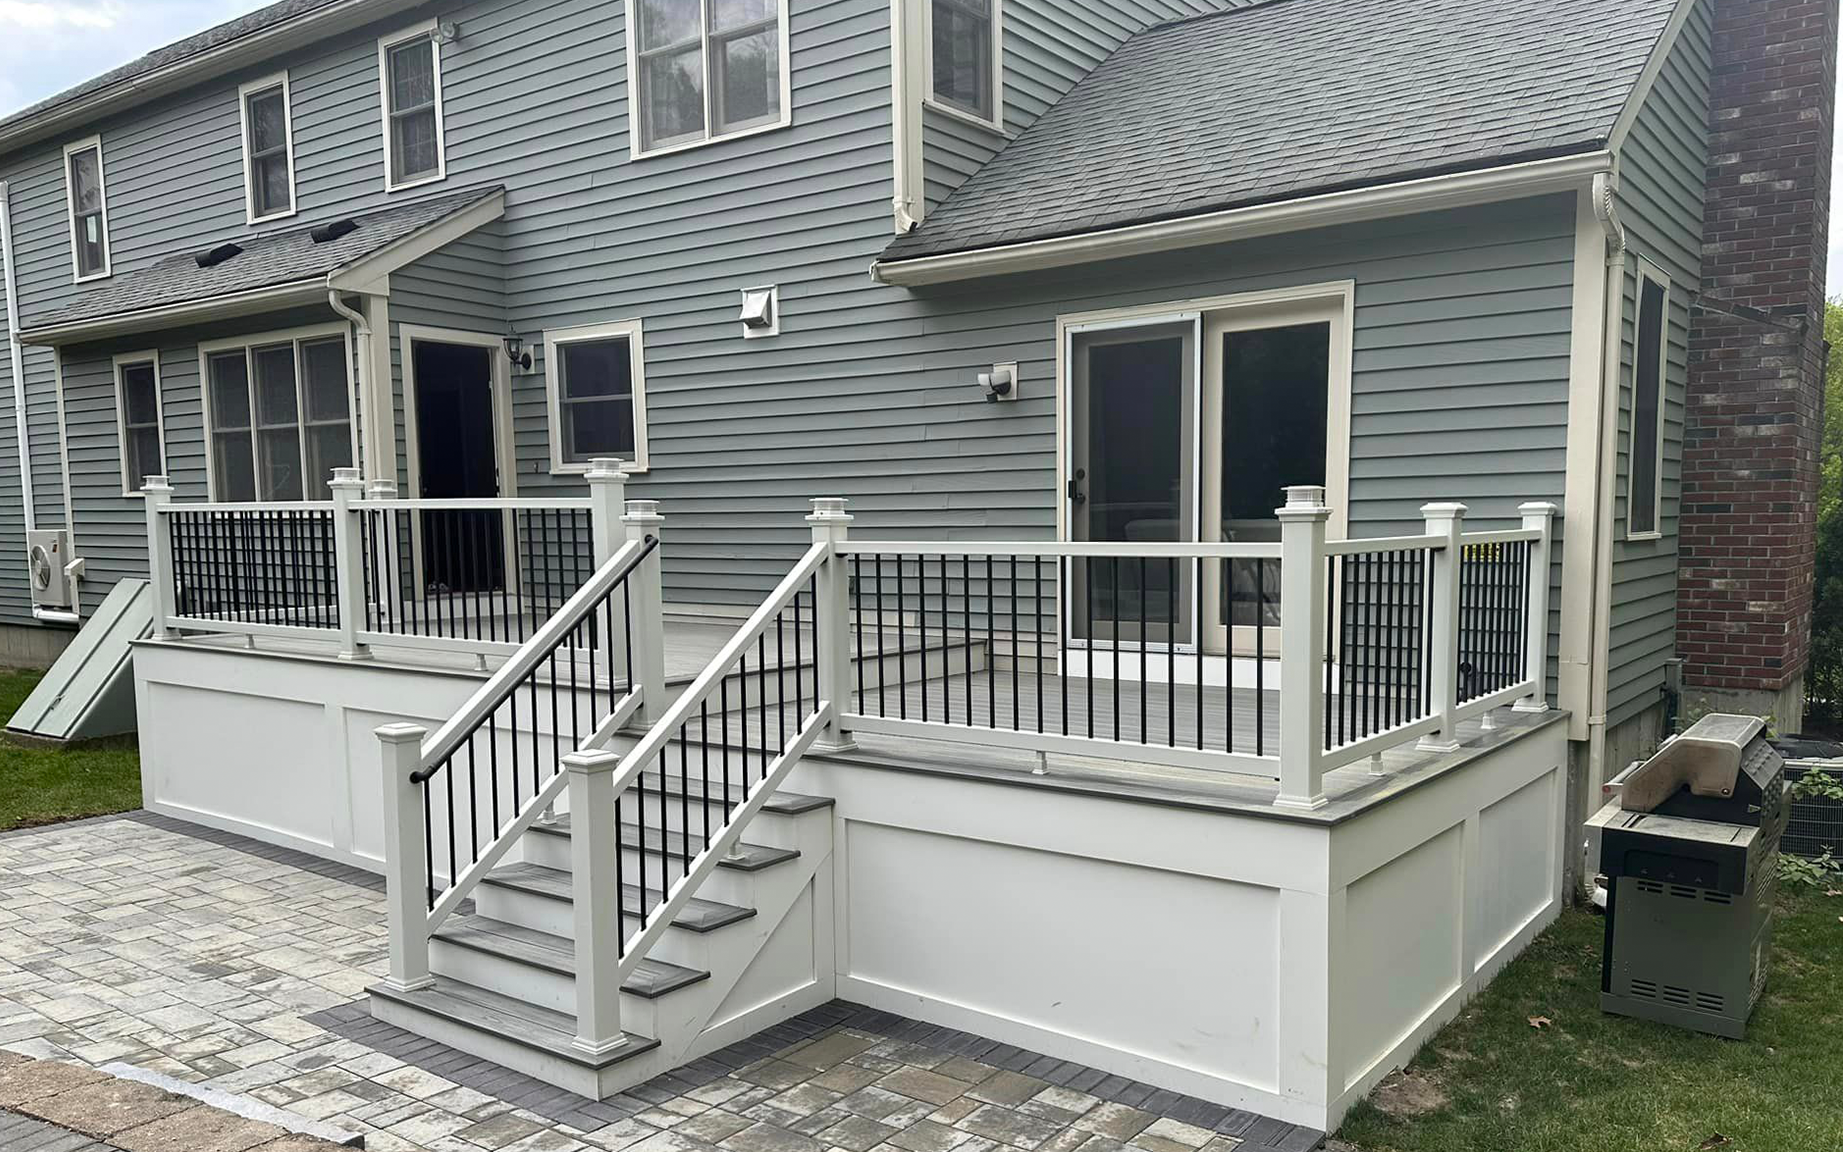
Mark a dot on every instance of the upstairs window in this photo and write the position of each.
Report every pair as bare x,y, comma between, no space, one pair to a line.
137,407
740,46
597,395
963,37
89,218
1644,489
280,415
268,149
410,67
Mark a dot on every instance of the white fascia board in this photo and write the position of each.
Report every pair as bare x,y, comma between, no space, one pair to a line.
1509,182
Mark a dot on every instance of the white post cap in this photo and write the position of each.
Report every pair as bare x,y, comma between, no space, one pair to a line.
346,478
155,484
829,508
606,467
642,512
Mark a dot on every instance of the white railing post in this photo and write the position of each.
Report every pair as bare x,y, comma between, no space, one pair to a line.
1538,516
648,629
1447,522
406,871
349,562
1302,647
158,494
607,503
597,899
831,525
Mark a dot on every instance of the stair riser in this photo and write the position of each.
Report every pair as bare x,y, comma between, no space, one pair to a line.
540,986
725,885
490,1046
558,917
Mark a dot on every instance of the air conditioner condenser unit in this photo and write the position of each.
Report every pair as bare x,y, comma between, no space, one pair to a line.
47,553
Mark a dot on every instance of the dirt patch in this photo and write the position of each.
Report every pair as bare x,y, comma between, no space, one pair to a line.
1407,1094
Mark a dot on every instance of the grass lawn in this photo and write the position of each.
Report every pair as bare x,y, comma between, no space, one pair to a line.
1588,1082
44,785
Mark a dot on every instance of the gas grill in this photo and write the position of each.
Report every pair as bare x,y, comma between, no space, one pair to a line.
1689,846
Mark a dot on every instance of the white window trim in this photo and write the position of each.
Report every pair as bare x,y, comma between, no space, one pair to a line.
1649,271
554,340
636,134
427,29
70,210
929,99
124,360
248,344
279,80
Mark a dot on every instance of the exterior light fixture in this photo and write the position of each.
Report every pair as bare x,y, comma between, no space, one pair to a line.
1000,383
761,311
447,32
515,352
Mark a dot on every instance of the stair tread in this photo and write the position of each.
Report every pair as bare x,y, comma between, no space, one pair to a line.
650,978
747,858
698,915
526,1024
781,803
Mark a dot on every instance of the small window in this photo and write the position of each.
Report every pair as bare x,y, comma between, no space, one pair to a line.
739,45
410,68
963,41
597,395
137,406
89,218
280,413
1644,491
268,149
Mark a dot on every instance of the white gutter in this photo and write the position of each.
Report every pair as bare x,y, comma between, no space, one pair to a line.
1507,182
361,333
1606,209
9,281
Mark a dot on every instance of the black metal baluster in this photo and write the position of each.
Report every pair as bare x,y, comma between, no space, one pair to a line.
1170,655
921,625
1036,626
966,628
991,648
882,668
902,648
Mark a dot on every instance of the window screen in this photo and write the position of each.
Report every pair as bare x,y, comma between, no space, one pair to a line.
1647,411
962,50
596,399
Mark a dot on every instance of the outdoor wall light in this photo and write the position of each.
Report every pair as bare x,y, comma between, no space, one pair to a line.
1000,383
515,352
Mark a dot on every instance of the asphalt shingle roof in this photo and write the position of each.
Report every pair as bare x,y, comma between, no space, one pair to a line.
1289,98
266,262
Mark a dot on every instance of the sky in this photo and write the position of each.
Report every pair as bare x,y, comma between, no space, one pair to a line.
49,45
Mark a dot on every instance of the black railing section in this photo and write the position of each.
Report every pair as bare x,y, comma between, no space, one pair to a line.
1493,617
492,574
971,640
508,755
274,567
676,809
1379,632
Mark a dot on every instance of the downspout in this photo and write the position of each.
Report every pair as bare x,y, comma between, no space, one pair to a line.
1606,209
361,340
16,352
905,121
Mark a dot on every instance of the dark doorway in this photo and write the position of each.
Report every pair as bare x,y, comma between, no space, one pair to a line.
462,551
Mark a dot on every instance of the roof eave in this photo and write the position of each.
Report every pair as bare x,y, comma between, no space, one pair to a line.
302,30
1400,198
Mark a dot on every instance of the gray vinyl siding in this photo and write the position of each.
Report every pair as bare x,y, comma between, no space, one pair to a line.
1662,175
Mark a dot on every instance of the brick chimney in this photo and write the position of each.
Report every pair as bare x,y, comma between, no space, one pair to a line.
1750,454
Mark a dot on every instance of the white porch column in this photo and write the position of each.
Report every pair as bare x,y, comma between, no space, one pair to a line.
1446,521
597,899
1302,647
649,624
349,563
832,622
1538,516
607,502
157,494
406,872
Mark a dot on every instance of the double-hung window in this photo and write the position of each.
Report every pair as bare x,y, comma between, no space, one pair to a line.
963,41
89,214
268,149
706,69
280,413
597,395
410,69
1644,486
138,417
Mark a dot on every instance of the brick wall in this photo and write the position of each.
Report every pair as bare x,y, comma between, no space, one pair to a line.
1750,461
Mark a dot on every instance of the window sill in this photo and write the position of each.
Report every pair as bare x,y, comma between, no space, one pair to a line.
1642,537
435,177
92,277
956,112
637,153
273,217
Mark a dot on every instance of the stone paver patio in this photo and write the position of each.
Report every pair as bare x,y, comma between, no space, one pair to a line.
241,967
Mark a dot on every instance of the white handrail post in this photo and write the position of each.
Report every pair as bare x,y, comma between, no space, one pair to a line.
607,504
406,872
1538,516
648,628
1302,647
1446,522
349,562
831,525
597,899
157,494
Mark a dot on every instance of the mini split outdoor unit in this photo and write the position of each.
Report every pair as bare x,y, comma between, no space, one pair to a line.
47,552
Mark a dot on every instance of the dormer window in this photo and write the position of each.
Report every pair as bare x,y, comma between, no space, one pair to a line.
89,216
705,70
410,69
268,149
963,39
